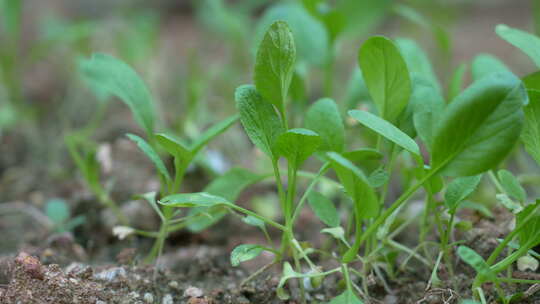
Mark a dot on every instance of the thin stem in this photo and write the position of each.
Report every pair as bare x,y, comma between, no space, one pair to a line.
400,201
491,259
304,197
262,218
406,249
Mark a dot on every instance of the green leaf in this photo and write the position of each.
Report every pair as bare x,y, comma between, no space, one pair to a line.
356,186
386,129
456,82
57,211
274,65
418,62
229,186
107,75
386,76
511,185
296,145
199,199
459,189
324,209
174,146
323,117
428,107
472,258
245,252
347,297
526,42
150,198
253,221
528,235
485,64
260,120
508,203
151,154
337,232
310,36
479,128
378,178
11,13
203,139
531,132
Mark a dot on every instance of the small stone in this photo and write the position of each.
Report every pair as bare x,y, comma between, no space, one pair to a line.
167,299
111,274
173,284
193,292
31,265
100,302
148,298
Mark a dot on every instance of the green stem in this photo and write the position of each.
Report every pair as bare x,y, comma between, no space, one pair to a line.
262,218
382,218
491,259
304,197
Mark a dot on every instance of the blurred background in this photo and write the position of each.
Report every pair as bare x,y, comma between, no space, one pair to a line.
192,55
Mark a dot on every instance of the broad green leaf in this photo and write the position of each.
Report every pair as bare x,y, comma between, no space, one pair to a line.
323,117
200,199
261,122
310,36
386,76
366,158
324,209
526,42
274,65
472,258
528,235
151,154
203,139
386,129
485,64
57,211
245,252
459,189
356,186
531,132
479,128
107,75
511,185
174,146
456,82
296,145
347,297
418,62
228,186
378,178
428,106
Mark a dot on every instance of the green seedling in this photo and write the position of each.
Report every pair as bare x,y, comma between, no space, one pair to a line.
57,210
107,76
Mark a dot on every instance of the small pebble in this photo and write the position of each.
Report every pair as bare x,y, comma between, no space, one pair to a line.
193,292
100,302
173,284
167,299
148,298
111,274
